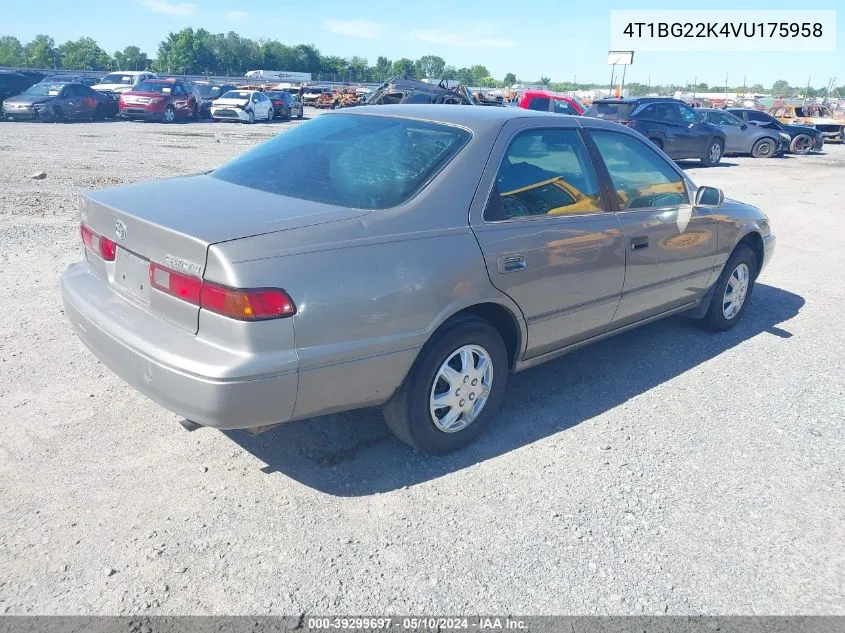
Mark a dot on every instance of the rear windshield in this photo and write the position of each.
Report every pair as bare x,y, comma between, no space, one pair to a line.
613,111
359,161
149,86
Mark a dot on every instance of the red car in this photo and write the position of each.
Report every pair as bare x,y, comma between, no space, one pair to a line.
159,100
546,101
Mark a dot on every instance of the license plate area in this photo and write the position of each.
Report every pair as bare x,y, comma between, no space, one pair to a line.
132,274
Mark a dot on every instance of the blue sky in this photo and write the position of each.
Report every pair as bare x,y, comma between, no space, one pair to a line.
530,39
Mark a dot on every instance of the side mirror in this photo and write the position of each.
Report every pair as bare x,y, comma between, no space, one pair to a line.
754,123
709,197
744,127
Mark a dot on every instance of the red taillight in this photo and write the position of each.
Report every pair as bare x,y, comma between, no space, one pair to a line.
245,305
96,243
176,284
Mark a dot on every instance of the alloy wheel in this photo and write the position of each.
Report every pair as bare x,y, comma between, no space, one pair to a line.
715,153
736,290
461,388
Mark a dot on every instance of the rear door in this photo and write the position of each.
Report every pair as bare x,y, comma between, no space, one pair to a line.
180,99
670,245
662,120
547,240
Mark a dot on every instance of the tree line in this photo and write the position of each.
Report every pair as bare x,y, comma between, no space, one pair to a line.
200,52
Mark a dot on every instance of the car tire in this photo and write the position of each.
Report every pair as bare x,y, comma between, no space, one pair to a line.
99,113
271,114
738,275
250,117
169,115
801,144
713,153
301,113
764,148
59,114
409,413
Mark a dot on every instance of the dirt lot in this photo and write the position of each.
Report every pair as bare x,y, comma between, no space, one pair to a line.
667,470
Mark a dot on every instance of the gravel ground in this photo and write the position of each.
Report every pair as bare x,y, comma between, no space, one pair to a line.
667,470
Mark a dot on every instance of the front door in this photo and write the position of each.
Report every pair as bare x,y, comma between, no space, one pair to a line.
547,240
670,245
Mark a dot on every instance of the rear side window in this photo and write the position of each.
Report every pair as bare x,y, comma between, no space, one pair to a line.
349,160
539,103
544,173
641,177
609,110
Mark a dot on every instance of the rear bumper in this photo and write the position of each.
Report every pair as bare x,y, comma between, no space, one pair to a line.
152,356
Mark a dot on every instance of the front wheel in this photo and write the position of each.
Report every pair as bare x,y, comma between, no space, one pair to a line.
713,154
801,144
453,390
270,114
250,117
169,115
732,291
764,148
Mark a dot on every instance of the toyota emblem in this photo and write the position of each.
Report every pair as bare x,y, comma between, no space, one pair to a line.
120,230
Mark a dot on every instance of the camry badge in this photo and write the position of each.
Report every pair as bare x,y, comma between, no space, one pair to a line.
120,230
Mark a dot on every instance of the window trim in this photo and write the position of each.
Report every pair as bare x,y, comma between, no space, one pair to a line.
605,174
579,131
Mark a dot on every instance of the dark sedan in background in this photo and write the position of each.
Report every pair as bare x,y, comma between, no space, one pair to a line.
670,124
58,101
285,105
747,139
208,92
805,138
14,83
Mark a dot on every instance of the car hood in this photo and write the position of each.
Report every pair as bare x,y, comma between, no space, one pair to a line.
230,102
801,129
29,99
137,93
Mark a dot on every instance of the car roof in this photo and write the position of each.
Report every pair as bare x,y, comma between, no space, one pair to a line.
475,118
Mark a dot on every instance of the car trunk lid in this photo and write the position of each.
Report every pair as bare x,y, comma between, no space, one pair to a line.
173,222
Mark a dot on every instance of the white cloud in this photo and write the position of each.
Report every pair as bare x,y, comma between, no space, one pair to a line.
484,37
356,28
236,16
171,8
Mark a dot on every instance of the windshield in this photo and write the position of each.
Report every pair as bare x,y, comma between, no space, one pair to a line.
118,78
609,110
149,86
236,94
45,90
357,161
204,89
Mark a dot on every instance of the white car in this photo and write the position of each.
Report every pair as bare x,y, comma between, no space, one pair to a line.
123,81
247,106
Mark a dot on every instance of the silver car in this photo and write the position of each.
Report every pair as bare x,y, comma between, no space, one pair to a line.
404,256
741,138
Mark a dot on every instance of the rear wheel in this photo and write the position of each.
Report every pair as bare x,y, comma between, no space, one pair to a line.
59,114
301,112
453,389
764,148
169,115
732,291
801,144
99,112
713,154
270,114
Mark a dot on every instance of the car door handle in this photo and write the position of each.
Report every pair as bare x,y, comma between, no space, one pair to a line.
639,242
512,263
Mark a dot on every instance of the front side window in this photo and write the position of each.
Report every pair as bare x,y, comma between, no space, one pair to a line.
349,160
641,177
688,114
562,107
544,173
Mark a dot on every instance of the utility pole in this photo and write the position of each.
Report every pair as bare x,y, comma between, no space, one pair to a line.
726,86
694,87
